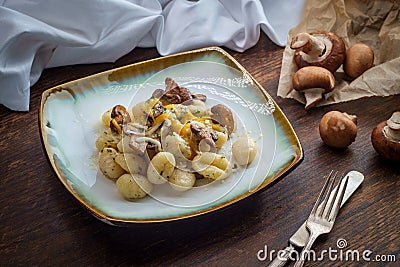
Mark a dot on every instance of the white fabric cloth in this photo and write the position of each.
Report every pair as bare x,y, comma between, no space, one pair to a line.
37,34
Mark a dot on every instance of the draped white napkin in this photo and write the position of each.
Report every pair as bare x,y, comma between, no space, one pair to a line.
37,34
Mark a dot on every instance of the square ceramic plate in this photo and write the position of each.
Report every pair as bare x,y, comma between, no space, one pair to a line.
70,122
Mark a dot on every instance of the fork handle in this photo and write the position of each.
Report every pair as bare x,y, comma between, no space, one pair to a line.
282,259
306,249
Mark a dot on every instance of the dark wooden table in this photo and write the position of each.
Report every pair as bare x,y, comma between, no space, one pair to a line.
43,225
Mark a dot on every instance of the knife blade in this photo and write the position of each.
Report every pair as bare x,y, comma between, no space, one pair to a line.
300,237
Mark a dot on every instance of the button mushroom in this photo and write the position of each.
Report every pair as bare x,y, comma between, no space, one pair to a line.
322,49
385,137
223,116
338,129
359,58
314,82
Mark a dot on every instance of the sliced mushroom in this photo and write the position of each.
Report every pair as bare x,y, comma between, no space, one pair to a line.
148,111
223,115
202,131
152,143
136,131
158,93
322,49
200,97
173,94
133,128
170,84
313,82
157,110
138,145
119,117
206,135
385,137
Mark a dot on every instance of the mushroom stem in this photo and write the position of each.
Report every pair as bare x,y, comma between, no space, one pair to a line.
353,118
313,96
309,44
392,129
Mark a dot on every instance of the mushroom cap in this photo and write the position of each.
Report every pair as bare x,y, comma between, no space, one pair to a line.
390,149
338,129
314,82
313,77
359,58
335,52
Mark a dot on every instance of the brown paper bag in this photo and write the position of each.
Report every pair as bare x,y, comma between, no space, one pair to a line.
375,23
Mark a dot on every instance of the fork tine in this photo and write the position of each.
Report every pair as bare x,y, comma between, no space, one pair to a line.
337,203
327,195
321,194
332,201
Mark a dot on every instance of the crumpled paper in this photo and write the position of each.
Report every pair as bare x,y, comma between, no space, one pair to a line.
375,23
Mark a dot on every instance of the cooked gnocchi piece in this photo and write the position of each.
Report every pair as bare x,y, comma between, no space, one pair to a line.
178,146
244,150
138,112
133,186
222,139
131,163
108,166
161,167
107,138
199,109
181,180
123,145
212,166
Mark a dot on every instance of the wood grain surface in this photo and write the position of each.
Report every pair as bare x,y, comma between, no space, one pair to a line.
43,225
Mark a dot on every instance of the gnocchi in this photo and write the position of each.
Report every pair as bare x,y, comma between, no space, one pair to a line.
244,150
176,145
133,186
108,166
107,139
172,137
212,166
131,163
181,180
161,167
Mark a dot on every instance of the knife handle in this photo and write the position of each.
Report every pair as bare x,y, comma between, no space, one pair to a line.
282,258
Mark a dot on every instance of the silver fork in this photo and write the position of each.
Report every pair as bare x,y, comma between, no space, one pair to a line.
324,213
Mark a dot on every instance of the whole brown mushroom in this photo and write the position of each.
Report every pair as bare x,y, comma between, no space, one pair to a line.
338,129
322,49
385,137
359,58
313,82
